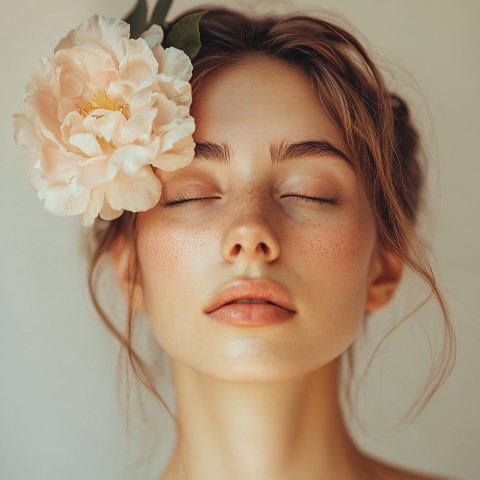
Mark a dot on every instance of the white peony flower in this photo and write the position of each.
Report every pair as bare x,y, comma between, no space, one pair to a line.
101,114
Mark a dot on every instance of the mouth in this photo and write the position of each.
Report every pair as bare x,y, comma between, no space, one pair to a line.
251,313
251,291
250,300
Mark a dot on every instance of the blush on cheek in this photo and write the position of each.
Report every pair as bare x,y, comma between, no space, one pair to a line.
155,247
172,249
167,250
165,254
332,245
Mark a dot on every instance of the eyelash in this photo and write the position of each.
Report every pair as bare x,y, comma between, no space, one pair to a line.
182,200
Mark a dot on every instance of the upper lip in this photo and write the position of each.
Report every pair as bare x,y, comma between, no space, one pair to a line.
258,288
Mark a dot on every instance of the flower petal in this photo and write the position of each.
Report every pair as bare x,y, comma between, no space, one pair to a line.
97,199
62,199
73,123
131,158
177,64
139,62
94,171
70,84
101,32
138,127
175,89
24,130
181,156
136,192
108,213
153,36
45,106
184,128
87,143
108,126
57,166
166,109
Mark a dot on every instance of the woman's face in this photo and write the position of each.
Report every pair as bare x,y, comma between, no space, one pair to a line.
320,253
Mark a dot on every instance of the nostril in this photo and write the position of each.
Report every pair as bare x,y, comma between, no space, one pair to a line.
264,247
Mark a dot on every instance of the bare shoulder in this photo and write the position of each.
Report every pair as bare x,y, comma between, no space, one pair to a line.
385,471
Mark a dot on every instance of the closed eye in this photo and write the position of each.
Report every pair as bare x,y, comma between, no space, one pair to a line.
306,198
181,200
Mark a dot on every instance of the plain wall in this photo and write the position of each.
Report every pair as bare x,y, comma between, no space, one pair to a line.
59,414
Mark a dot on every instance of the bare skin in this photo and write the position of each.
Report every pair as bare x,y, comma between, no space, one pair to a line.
307,440
300,454
261,403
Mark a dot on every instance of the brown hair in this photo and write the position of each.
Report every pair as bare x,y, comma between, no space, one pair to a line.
374,123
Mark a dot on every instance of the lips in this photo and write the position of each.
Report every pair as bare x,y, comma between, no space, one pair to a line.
257,289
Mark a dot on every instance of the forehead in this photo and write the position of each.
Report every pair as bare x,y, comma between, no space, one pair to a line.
261,100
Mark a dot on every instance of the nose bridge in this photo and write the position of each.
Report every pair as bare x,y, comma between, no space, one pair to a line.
252,200
249,230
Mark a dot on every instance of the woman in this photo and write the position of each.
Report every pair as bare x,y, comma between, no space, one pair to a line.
265,255
303,192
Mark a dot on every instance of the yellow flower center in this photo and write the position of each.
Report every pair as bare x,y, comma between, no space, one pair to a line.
104,101
101,99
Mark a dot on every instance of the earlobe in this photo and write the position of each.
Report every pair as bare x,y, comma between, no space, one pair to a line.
385,276
126,270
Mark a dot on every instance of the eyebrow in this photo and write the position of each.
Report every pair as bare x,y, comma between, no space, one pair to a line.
279,153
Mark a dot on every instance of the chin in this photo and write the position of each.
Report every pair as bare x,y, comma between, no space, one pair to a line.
245,362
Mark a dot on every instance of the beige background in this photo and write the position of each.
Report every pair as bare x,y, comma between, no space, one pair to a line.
59,416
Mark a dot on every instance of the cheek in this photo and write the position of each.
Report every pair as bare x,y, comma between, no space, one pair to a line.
333,264
334,247
166,249
165,255
171,253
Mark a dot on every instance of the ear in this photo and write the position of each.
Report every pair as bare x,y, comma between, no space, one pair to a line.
385,274
126,268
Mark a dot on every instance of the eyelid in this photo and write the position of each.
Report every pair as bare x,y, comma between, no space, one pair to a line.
315,199
313,192
178,199
302,183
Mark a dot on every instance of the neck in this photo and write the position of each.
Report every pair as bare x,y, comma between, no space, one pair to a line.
265,431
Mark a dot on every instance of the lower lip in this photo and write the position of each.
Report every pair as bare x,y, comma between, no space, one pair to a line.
251,314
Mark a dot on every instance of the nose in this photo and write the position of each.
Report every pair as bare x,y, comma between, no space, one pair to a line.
251,238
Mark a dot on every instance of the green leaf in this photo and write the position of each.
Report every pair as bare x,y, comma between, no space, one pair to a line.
185,34
160,12
137,19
